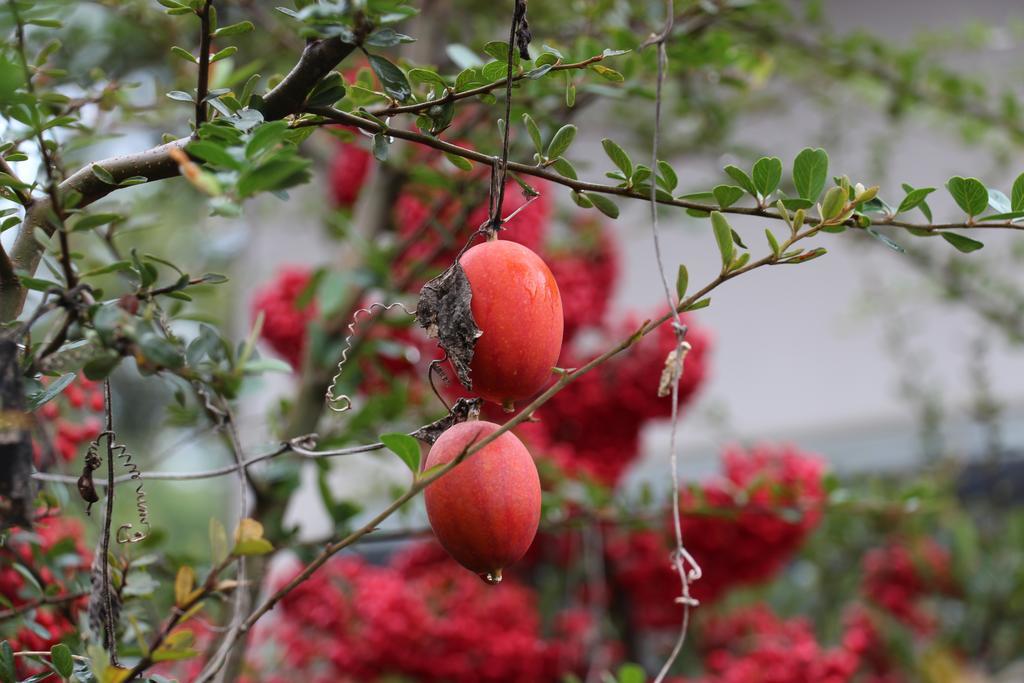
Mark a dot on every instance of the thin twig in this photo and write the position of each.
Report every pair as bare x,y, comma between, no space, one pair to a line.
420,107
294,446
110,628
204,64
39,602
675,360
501,169
330,116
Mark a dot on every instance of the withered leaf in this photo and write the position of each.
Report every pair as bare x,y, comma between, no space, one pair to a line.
463,409
523,35
444,312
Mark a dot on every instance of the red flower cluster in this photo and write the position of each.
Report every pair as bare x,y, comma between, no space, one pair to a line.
756,646
66,433
422,618
348,170
900,573
599,417
741,530
54,542
284,321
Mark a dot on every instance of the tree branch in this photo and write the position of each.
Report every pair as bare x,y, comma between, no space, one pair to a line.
203,86
50,600
330,116
419,107
288,97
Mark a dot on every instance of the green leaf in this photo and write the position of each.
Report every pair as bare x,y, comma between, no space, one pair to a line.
810,171
223,54
970,194
258,366
565,168
181,96
387,37
772,242
723,235
494,71
98,368
618,156
741,178
249,539
275,174
914,198
603,204
234,29
1017,194
183,53
160,351
60,657
51,391
405,447
213,153
581,200
103,174
6,663
560,141
833,203
766,175
534,132
631,673
727,195
964,244
429,77
885,240
497,49
682,281
461,163
1009,216
697,305
667,177
794,203
95,220
266,137
391,77
380,147
607,73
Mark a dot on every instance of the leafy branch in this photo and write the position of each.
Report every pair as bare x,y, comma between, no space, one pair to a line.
157,163
328,116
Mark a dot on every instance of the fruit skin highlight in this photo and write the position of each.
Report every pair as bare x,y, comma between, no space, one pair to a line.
485,512
517,305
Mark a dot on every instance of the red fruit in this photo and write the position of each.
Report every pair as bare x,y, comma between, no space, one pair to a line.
486,511
517,306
